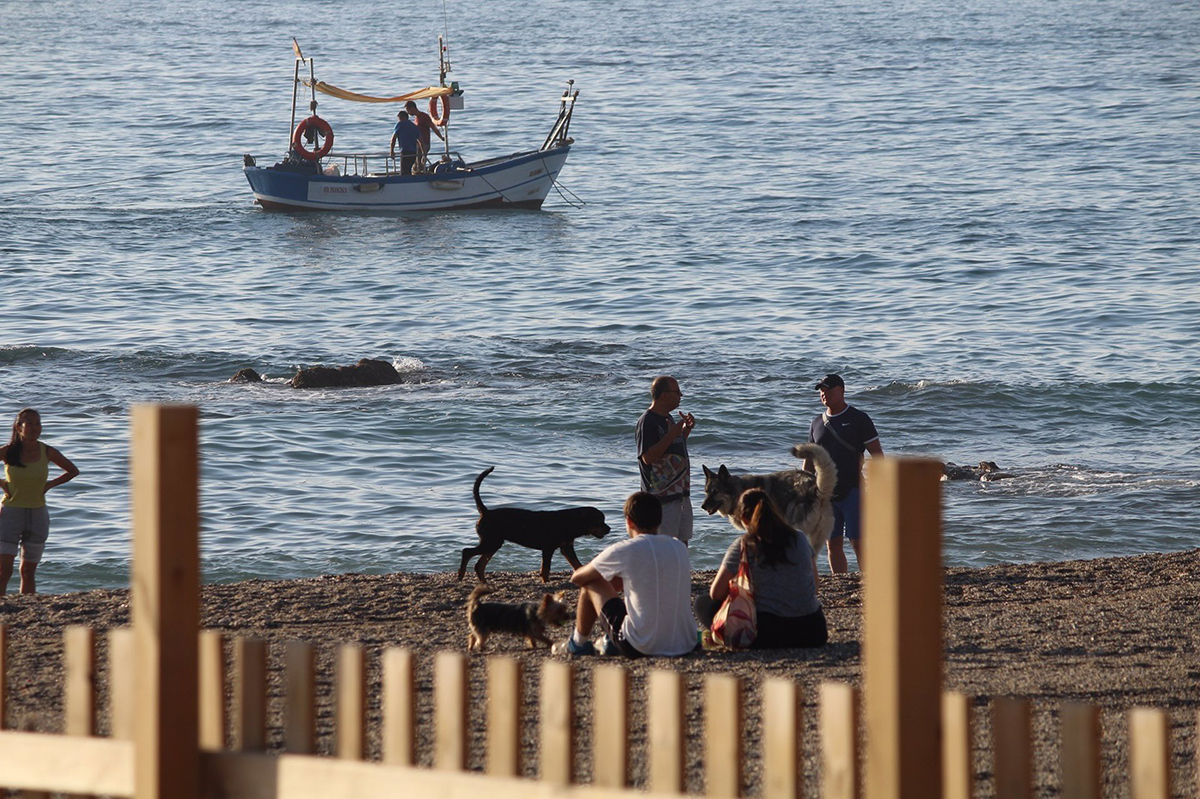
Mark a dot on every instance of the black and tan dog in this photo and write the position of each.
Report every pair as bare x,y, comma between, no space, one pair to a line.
544,530
528,619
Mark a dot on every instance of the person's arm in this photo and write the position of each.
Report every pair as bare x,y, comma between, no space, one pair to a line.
655,453
3,482
585,574
875,448
436,130
392,146
720,584
70,470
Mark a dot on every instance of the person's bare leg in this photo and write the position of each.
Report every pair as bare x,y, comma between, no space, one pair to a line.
585,613
591,599
837,556
858,552
6,570
28,583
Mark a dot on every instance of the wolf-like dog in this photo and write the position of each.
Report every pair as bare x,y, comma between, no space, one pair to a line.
803,500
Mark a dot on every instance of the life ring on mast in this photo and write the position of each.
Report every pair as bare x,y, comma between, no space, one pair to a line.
440,121
320,126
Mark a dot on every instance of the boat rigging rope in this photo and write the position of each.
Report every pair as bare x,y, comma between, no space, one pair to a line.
560,188
445,25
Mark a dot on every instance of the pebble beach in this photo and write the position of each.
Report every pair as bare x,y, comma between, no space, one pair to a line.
1113,632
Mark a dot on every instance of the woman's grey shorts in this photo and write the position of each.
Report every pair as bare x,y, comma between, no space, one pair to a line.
24,528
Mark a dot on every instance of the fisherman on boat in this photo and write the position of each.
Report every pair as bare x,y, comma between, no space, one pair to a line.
424,124
409,137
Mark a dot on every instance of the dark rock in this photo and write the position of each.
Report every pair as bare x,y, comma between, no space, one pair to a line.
366,372
246,376
986,471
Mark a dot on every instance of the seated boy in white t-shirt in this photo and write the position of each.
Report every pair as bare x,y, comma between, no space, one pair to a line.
654,618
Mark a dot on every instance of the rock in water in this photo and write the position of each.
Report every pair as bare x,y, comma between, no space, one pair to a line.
366,372
246,376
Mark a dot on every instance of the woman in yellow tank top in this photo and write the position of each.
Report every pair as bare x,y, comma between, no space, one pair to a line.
24,520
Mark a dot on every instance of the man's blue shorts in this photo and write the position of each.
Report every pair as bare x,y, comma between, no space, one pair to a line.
846,517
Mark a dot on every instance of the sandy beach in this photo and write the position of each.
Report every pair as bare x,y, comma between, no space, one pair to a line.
1118,633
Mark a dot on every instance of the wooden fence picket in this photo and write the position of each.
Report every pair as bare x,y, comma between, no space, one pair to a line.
3,683
351,703
782,735
1012,748
665,722
398,707
958,772
723,754
1080,751
902,628
165,469
451,689
557,722
300,691
505,699
79,683
1149,753
3,677
122,682
250,694
610,726
840,778
213,716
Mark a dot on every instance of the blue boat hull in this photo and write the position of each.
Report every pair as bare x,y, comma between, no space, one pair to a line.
521,180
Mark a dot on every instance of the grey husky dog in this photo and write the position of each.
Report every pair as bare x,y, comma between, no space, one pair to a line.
802,499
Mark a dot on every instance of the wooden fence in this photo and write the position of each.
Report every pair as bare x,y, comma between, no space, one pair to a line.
171,701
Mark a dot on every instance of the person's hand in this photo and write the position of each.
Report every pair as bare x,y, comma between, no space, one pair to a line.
687,421
4,485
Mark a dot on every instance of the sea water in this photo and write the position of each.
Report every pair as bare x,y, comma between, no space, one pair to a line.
983,215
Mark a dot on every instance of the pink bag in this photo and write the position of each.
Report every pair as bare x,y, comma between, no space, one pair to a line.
736,624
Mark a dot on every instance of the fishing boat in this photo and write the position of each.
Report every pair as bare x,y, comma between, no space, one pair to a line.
313,176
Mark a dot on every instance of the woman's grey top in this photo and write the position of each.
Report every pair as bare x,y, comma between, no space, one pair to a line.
784,589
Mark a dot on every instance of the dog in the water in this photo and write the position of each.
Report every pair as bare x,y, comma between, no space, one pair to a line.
528,620
985,471
804,500
543,530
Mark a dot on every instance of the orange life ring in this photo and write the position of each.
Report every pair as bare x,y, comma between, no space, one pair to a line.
321,127
440,121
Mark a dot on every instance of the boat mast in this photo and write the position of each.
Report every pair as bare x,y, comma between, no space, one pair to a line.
295,91
443,68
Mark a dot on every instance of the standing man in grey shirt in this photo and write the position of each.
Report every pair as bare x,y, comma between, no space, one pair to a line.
663,457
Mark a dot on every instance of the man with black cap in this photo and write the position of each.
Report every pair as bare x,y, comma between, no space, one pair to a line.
846,433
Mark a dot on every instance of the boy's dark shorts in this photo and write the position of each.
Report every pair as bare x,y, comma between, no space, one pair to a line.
615,612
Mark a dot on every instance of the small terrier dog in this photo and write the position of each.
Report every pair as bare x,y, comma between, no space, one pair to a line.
528,619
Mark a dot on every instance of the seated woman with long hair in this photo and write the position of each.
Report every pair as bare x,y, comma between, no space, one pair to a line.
785,584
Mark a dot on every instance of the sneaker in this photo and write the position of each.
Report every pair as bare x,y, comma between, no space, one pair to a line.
605,646
572,649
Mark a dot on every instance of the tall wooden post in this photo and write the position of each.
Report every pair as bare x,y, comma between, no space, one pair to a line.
902,628
166,600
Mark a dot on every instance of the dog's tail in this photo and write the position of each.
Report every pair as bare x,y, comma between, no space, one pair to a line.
476,595
479,481
826,469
